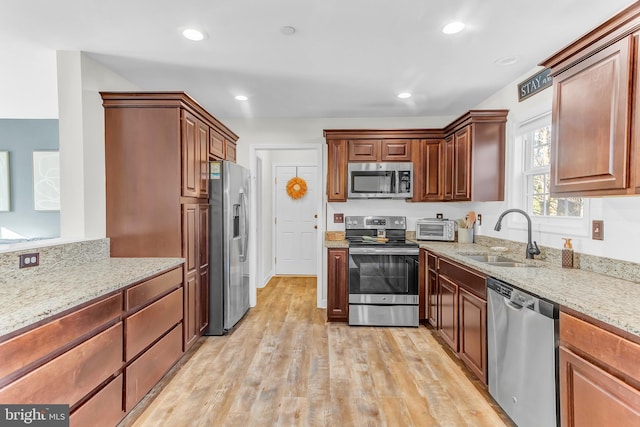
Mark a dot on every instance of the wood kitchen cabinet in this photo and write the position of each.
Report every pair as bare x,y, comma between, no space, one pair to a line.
157,149
599,373
432,290
460,162
337,285
595,138
462,314
96,356
336,170
386,150
474,157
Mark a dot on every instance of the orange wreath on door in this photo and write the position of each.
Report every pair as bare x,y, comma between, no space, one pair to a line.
296,187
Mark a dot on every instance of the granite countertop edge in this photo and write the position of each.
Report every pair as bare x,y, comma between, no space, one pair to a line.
608,299
38,297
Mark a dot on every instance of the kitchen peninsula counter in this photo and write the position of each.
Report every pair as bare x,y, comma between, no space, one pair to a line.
35,297
611,300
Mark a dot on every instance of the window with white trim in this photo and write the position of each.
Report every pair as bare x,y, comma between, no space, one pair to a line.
536,143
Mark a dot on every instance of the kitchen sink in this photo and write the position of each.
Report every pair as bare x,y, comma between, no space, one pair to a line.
489,258
496,260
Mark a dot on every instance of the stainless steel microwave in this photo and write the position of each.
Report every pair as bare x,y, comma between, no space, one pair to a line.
435,229
380,180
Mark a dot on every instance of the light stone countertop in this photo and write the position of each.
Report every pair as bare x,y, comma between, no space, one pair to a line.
38,296
612,300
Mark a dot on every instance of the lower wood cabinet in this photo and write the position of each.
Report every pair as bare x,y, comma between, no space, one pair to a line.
337,285
148,369
599,375
432,289
462,314
72,375
102,358
104,409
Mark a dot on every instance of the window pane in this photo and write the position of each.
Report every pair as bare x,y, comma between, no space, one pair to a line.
538,184
538,205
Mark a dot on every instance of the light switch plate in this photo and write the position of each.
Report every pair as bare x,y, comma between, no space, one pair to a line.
597,230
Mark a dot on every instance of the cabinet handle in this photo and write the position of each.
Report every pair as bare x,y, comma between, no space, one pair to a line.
437,263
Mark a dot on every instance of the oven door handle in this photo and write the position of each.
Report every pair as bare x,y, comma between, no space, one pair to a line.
383,251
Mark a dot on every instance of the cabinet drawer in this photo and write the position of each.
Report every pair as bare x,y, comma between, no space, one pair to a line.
103,410
144,373
148,324
69,377
468,279
604,346
149,290
22,350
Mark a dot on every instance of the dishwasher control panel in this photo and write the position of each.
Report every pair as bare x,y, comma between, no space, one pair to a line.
505,291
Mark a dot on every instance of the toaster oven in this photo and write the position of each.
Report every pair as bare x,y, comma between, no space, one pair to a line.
435,229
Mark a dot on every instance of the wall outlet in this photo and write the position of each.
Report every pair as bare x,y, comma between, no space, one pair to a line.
597,230
338,218
30,260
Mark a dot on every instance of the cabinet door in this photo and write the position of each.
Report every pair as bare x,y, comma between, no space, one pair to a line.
203,160
473,333
203,291
337,285
432,297
190,155
422,285
448,311
192,271
590,396
432,162
364,151
395,150
336,170
448,167
216,145
230,154
591,112
462,165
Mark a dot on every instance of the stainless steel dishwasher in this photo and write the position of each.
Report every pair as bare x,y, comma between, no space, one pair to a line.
522,353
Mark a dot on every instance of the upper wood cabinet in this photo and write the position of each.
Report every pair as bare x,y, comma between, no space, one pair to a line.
463,161
595,110
336,170
216,145
387,150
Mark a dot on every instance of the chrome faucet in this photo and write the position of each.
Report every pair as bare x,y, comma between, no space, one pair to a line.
532,248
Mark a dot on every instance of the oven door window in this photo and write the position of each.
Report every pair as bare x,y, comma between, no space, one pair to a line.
373,182
383,274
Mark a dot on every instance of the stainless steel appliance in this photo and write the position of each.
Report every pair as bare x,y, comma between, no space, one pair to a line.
393,180
522,353
436,229
383,272
228,250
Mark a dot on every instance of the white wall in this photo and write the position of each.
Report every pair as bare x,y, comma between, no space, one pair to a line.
622,224
81,120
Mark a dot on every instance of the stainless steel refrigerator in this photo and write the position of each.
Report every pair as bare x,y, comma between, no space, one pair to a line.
228,251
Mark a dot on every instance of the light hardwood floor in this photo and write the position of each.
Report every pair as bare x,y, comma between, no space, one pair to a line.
284,365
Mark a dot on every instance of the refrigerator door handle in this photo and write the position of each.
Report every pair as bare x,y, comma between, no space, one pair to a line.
244,232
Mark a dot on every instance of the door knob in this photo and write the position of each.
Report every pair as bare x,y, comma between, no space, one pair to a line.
315,216
315,226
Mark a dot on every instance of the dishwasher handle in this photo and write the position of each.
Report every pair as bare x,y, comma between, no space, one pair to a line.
519,298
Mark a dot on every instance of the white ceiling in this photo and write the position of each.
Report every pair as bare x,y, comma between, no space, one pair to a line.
346,59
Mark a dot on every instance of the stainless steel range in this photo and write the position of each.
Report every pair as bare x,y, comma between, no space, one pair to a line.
383,272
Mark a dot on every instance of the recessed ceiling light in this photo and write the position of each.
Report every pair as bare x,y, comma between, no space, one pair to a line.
506,60
404,95
453,27
288,30
241,98
193,34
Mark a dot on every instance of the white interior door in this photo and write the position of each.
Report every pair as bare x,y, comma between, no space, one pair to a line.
296,222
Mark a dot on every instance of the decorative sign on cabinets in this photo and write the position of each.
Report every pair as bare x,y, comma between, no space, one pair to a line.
534,84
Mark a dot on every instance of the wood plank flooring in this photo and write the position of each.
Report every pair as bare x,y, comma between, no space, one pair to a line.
284,365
